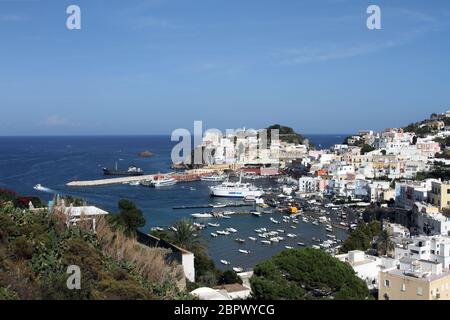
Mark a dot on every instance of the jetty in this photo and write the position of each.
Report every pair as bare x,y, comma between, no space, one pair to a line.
187,176
109,181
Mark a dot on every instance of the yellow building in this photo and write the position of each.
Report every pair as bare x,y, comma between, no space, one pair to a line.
440,194
421,280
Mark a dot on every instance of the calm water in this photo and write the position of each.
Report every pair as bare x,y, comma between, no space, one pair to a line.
53,161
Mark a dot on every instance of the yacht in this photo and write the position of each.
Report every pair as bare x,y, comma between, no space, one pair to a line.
235,190
213,178
160,181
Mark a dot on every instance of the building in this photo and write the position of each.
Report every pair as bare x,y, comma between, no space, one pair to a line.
428,220
367,267
308,185
440,194
415,280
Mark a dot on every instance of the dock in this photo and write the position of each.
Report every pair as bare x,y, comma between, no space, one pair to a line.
109,181
180,177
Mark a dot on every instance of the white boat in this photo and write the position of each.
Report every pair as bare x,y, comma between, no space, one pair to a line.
161,181
274,221
315,247
213,178
238,269
135,183
201,215
288,247
256,213
214,235
40,187
215,225
232,230
280,231
266,242
301,244
228,213
274,239
244,251
225,262
219,205
291,235
236,190
223,233
240,240
252,238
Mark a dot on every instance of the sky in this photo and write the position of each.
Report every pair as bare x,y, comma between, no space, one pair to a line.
152,66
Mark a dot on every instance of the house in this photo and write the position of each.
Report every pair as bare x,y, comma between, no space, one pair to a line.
440,194
415,280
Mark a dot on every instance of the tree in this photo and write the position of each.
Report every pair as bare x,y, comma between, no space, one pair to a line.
365,148
362,237
184,235
384,243
229,277
130,218
306,274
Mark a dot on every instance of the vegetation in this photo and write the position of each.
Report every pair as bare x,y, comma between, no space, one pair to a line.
286,134
37,247
384,243
362,237
306,274
365,148
129,219
439,171
186,236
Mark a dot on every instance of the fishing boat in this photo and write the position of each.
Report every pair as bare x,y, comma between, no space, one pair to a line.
132,171
201,215
225,262
238,269
244,251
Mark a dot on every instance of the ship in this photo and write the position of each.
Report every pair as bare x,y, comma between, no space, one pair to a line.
213,178
132,171
162,181
236,190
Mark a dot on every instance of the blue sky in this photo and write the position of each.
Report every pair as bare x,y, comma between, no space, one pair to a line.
148,67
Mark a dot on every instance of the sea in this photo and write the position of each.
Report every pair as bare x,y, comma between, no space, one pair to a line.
54,161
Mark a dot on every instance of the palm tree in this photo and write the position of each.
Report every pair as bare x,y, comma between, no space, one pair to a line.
384,243
185,235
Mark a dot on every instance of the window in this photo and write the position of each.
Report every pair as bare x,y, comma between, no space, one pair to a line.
387,283
403,287
419,291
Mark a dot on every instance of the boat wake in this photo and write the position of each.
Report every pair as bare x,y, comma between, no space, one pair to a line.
41,188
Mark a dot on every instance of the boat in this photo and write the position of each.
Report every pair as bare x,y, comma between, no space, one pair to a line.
250,198
228,213
223,233
256,213
132,171
213,178
315,239
135,183
235,190
214,225
289,247
225,262
315,247
38,187
280,230
160,181
201,215
291,235
274,239
244,251
301,244
274,221
214,235
232,230
252,238
219,205
238,269
266,242
240,240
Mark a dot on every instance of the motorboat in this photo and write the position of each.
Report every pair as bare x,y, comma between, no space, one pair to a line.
256,213
214,235
244,251
252,238
238,269
266,242
215,225
162,181
232,230
289,247
225,262
213,178
240,240
201,215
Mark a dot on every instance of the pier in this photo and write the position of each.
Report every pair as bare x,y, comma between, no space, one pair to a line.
109,181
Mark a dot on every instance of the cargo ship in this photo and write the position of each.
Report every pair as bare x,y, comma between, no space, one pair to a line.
132,171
